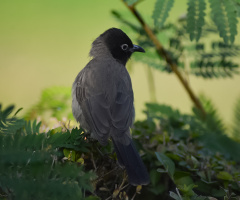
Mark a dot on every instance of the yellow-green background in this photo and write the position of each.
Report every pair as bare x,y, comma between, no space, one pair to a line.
45,43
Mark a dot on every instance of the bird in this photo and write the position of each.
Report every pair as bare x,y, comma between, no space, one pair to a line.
103,100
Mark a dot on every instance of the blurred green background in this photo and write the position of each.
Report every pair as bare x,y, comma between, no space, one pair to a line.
46,43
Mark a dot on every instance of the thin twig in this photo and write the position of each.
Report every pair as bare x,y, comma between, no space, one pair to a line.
107,173
134,196
93,162
125,186
119,189
108,198
163,53
123,181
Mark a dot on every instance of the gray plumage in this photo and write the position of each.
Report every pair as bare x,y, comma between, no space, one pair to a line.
102,100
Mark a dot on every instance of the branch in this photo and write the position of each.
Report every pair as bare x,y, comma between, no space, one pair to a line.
162,52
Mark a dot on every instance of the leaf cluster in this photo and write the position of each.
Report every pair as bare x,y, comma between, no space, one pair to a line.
62,163
193,159
208,59
187,158
224,14
31,164
54,102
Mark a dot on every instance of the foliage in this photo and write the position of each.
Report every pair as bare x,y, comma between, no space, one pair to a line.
195,161
54,102
224,14
161,10
187,158
195,18
31,164
208,59
212,120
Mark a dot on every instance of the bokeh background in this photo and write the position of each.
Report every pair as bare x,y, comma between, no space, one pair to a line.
46,43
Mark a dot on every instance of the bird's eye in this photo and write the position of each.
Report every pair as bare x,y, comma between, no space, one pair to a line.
124,47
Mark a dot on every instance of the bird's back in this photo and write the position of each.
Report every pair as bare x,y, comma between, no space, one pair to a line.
107,82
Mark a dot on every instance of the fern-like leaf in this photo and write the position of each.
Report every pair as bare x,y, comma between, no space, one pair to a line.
224,15
213,120
55,101
218,17
195,18
4,114
9,124
216,62
161,11
231,14
237,6
30,166
32,128
72,140
157,110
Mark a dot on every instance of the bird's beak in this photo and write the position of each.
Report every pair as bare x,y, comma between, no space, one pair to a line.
137,48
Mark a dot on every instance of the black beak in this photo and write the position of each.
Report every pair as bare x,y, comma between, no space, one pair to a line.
136,48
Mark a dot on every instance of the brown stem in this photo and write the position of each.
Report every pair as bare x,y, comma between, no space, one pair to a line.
162,52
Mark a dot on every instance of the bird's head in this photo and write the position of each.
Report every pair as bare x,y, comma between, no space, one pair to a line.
115,42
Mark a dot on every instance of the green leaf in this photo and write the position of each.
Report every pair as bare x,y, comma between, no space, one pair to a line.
9,125
157,189
55,101
182,178
224,176
237,6
18,111
231,15
70,154
74,140
32,128
195,18
218,17
224,15
213,120
167,163
42,175
5,113
161,11
155,177
222,144
157,110
187,189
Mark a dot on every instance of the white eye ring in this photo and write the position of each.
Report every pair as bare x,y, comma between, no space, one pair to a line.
124,47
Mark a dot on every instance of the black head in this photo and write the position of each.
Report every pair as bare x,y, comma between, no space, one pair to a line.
119,44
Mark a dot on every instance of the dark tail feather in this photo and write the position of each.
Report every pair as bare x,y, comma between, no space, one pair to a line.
129,158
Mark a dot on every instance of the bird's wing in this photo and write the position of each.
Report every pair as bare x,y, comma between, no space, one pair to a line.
94,104
122,112
106,102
